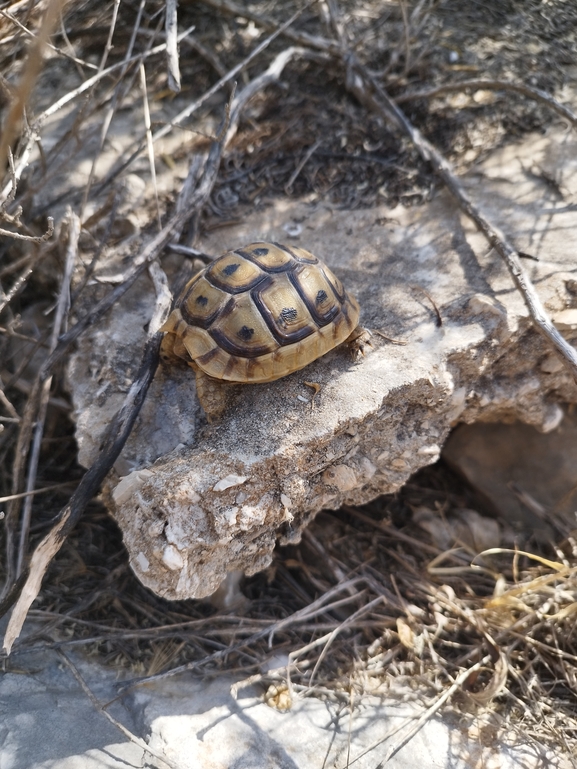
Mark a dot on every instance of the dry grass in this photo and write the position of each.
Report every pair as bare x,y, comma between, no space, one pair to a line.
491,635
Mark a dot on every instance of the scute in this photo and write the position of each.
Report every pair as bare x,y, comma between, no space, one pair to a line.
268,256
201,302
320,296
233,273
284,311
259,313
241,330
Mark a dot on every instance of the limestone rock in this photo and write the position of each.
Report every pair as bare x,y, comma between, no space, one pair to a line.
375,420
523,474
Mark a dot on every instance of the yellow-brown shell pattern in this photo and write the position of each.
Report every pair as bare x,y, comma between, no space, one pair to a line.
258,313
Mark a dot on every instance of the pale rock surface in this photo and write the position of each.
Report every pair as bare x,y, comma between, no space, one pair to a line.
48,722
376,420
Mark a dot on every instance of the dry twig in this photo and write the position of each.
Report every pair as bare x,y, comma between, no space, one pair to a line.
371,94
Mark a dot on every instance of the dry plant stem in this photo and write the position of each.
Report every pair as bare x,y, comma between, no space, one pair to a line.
33,238
112,445
231,74
64,100
59,319
426,716
322,605
370,93
171,27
13,119
101,709
108,46
229,8
150,146
116,101
492,85
121,425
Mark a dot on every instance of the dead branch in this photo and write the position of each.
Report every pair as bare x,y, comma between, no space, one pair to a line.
370,93
32,238
62,308
121,425
492,85
171,26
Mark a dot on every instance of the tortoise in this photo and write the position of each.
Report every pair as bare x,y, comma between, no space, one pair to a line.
256,314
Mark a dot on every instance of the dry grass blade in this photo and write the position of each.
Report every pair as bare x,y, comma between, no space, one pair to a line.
15,114
62,308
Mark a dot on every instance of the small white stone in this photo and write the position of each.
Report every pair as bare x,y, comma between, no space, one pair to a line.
231,515
292,229
172,559
286,501
399,464
429,450
383,456
229,481
367,468
143,562
553,419
129,484
240,498
303,399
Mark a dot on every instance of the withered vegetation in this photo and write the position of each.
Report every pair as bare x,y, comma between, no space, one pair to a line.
275,100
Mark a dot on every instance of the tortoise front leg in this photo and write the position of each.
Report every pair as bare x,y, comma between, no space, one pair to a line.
214,395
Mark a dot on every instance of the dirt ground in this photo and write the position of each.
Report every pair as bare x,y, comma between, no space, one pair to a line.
83,151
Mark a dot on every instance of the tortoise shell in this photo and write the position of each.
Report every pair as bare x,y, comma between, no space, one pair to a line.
259,313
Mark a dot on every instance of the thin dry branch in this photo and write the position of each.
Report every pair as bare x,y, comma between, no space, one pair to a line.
228,8
370,93
101,709
62,308
121,425
171,26
492,85
426,716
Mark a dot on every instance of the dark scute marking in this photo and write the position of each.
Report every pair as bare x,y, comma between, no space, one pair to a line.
208,356
288,314
260,251
202,300
321,296
245,333
230,268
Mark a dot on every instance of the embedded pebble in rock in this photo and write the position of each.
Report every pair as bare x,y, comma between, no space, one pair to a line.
200,501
